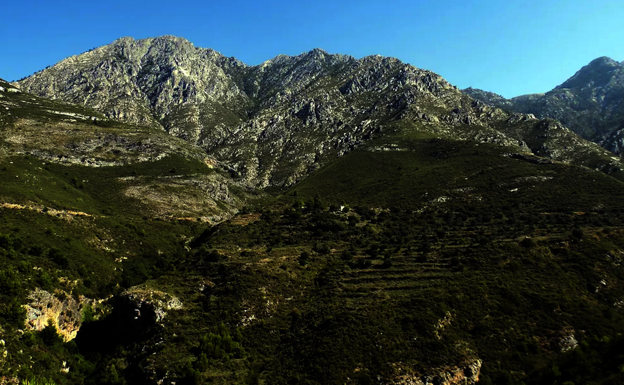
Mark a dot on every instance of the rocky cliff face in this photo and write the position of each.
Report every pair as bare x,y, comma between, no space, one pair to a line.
274,123
590,103
490,98
141,308
142,81
65,312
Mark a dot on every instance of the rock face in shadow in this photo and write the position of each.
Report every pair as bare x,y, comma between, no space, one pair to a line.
141,308
137,315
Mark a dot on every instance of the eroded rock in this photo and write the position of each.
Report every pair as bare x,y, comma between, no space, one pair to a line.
144,306
65,312
459,375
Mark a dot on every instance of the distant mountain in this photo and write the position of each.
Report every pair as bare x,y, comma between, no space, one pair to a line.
591,103
273,124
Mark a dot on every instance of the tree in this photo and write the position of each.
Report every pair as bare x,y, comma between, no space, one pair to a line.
49,334
304,258
578,234
529,243
346,256
387,263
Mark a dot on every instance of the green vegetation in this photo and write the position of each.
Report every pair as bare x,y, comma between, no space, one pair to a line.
509,303
72,231
91,190
354,273
409,256
36,382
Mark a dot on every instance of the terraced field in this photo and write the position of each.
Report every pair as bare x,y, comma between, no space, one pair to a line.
405,276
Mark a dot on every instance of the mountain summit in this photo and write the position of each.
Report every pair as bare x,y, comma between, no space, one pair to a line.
590,103
601,72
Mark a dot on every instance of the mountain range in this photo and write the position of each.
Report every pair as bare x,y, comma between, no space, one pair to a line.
170,215
276,122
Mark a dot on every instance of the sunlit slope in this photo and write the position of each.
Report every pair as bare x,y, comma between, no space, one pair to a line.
107,163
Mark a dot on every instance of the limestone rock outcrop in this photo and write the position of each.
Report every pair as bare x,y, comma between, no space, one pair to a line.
464,375
140,308
65,313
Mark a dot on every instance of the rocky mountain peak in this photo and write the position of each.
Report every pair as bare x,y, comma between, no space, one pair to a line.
488,97
603,61
589,103
599,72
123,39
317,53
141,81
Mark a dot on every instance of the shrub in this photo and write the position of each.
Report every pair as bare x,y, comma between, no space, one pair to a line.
49,335
578,234
346,256
220,345
304,258
387,263
58,257
528,243
322,249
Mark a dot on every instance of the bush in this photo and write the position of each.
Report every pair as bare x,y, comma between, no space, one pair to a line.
578,234
387,263
10,283
58,258
346,256
219,345
87,314
322,249
49,335
207,255
304,258
528,243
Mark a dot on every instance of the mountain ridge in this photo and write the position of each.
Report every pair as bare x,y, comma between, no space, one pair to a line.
589,102
275,123
407,233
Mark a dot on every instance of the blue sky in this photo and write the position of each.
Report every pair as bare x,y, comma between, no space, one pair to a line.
508,47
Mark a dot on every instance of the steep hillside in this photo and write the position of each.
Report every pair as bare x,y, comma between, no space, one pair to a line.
589,103
275,123
437,250
407,261
88,207
139,161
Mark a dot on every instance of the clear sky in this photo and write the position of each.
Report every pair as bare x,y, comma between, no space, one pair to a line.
510,47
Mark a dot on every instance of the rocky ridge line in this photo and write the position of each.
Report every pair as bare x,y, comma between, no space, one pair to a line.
590,103
275,123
